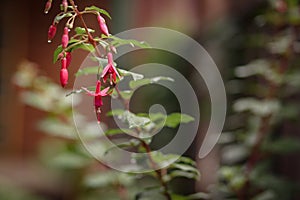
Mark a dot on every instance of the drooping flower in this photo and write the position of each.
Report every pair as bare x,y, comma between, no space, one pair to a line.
110,71
48,6
65,38
98,94
64,75
102,24
51,32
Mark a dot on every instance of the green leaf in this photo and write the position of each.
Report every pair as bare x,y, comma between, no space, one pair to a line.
111,132
185,174
174,119
102,11
107,179
257,107
80,30
119,42
60,17
186,160
70,160
135,76
116,112
55,127
139,83
185,167
57,51
129,144
84,46
88,71
163,159
80,45
237,182
126,94
199,196
259,67
234,153
134,84
156,116
133,120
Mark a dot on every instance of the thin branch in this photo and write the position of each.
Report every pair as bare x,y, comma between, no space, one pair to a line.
158,172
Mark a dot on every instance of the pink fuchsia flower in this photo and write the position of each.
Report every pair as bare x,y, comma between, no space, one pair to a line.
102,24
98,94
51,32
48,6
110,71
64,75
65,38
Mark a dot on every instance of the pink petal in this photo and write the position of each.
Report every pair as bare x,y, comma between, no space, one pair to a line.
89,92
105,70
104,92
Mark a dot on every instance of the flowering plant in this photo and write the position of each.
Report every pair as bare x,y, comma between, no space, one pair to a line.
107,74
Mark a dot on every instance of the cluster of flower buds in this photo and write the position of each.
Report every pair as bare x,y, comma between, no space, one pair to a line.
109,72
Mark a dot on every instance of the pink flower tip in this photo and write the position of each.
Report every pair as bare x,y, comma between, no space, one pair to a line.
48,6
102,24
65,5
64,77
65,38
51,32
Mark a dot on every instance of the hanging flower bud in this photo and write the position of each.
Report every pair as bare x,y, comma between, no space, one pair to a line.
64,72
51,32
110,59
65,5
102,24
48,6
113,49
65,38
64,77
69,58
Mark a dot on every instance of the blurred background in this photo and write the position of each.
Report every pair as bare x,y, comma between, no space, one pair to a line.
233,32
